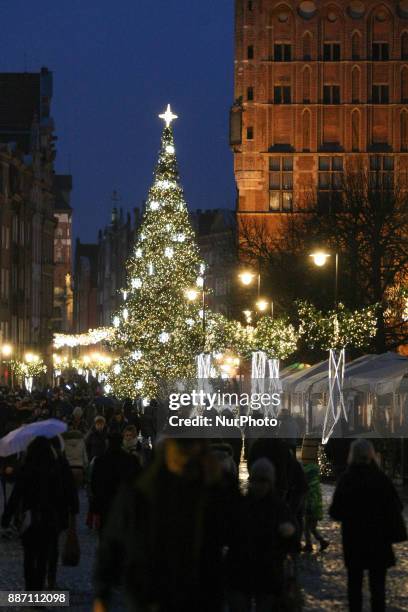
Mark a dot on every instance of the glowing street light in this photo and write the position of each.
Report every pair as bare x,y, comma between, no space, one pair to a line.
191,294
262,305
246,277
6,350
31,358
320,258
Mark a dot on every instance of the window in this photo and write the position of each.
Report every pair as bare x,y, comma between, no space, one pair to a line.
381,172
404,131
355,46
355,131
282,52
250,94
355,85
404,85
380,94
306,130
282,94
307,46
306,85
280,184
250,52
331,52
330,179
404,46
380,52
250,133
331,94
250,5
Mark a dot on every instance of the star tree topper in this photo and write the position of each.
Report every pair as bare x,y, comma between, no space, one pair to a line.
168,117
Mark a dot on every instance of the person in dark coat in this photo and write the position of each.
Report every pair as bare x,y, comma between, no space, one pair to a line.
38,495
367,505
263,532
110,470
96,440
165,535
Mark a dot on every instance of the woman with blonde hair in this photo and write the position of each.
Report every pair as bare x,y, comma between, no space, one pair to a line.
369,509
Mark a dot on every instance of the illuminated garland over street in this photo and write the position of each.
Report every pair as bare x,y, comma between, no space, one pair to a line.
338,329
93,336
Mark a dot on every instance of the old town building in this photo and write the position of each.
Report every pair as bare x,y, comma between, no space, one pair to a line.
321,87
115,246
27,220
63,295
216,238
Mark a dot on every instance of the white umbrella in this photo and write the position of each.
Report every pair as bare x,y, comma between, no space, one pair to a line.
17,440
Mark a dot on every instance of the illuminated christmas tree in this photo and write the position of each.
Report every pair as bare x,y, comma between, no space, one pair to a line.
158,332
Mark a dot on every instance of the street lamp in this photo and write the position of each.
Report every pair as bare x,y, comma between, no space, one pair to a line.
6,350
246,277
320,259
191,294
262,305
31,358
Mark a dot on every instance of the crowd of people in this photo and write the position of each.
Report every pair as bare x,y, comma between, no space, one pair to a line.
177,529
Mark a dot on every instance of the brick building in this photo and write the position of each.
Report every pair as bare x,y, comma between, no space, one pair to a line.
63,296
320,86
27,211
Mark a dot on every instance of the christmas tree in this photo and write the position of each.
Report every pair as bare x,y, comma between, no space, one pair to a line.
158,332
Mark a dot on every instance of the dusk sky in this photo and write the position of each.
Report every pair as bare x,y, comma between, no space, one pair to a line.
116,66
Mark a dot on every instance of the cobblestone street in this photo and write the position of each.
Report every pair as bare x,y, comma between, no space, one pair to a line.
322,575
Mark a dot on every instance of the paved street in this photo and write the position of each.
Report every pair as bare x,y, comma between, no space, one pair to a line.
322,575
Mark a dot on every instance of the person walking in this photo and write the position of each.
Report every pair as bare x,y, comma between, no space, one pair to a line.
109,471
313,501
96,440
369,509
164,538
263,532
38,495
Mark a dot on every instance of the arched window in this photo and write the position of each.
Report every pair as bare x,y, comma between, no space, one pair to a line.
404,46
355,85
307,46
404,131
306,131
356,46
404,85
355,130
306,85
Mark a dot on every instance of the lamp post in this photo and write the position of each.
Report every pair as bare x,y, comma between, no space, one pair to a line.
320,258
246,277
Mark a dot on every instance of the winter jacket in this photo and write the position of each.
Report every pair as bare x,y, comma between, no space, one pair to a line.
256,549
314,503
367,505
96,442
75,451
164,540
109,471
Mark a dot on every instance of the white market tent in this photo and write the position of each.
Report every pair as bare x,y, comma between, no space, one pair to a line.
373,385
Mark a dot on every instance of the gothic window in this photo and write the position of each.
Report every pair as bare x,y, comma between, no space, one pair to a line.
331,52
306,131
282,95
282,52
380,51
404,46
404,131
355,131
404,85
356,46
250,52
355,85
331,94
306,86
380,94
307,46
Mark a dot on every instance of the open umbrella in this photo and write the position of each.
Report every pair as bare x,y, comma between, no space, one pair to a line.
17,440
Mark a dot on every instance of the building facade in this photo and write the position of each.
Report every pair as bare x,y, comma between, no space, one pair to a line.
63,295
320,87
216,238
27,211
85,287
115,246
